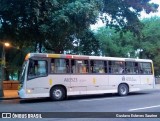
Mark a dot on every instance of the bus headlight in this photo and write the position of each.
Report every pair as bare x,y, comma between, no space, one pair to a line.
28,91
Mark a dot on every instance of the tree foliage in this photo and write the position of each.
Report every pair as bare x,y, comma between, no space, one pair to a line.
150,42
56,25
87,44
112,43
123,14
48,23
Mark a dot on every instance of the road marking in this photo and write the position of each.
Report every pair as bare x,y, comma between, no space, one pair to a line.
143,108
101,99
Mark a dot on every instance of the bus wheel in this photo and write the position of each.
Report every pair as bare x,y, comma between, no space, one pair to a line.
123,89
57,93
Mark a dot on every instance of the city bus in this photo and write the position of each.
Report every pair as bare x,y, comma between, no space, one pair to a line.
60,75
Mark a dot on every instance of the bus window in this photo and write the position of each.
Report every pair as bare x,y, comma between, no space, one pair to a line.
52,66
98,66
79,66
131,67
145,68
59,66
116,67
37,68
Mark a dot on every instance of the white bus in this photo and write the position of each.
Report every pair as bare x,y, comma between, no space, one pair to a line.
58,76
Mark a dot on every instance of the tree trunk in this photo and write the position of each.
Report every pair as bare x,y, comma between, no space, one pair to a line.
40,47
35,47
6,74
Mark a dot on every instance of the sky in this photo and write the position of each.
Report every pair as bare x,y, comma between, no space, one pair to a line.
143,15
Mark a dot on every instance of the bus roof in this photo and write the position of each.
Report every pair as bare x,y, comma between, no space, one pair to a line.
49,55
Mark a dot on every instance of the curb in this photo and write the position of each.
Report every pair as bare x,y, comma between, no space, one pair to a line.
9,98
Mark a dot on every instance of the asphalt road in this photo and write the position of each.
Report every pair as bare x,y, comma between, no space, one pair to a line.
144,101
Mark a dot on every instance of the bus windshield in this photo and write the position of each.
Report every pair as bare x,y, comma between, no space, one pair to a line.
22,75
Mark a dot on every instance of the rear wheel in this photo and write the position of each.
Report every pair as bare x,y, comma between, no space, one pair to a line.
57,93
123,89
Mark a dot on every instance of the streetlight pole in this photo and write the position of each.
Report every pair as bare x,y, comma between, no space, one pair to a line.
3,66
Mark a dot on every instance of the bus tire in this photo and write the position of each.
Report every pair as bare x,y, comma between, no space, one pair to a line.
123,90
57,93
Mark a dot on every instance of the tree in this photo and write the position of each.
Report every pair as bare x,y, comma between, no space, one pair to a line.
69,22
150,42
123,14
48,23
114,45
36,24
55,24
87,44
147,47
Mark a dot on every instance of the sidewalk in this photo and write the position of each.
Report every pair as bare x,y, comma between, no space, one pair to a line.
157,86
10,94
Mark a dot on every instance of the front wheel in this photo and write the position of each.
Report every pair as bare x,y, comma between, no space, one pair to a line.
123,89
57,93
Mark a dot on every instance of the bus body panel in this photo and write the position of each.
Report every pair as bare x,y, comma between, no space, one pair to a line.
89,84
147,82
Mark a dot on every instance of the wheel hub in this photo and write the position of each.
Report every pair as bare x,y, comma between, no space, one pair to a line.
57,93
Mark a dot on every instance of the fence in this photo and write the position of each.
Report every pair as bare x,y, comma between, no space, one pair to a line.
10,85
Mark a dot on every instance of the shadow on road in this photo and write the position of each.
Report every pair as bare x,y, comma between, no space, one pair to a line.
35,100
70,98
144,92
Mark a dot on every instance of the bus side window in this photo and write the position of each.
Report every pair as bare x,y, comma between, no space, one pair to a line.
73,66
67,66
145,68
110,66
42,70
91,66
31,70
105,66
131,67
82,66
116,67
136,70
86,66
37,68
79,66
98,66
60,66
52,66
140,68
113,68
